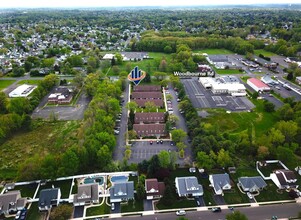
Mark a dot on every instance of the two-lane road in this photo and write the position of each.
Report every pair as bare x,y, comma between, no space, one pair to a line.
253,213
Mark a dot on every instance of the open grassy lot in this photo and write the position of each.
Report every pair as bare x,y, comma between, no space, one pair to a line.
234,196
181,203
214,51
98,210
30,81
44,138
132,206
264,53
5,83
227,71
151,64
237,122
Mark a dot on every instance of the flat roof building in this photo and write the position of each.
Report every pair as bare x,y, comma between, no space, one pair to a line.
22,91
257,85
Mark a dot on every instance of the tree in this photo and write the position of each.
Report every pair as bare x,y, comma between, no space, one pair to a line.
119,58
127,153
163,66
150,106
168,196
147,78
290,76
104,156
18,71
204,161
3,103
276,137
236,215
262,152
224,159
69,163
61,212
173,119
20,106
286,155
140,191
178,135
131,106
164,159
268,106
288,129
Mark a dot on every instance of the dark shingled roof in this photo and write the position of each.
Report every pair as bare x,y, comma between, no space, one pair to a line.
47,196
157,102
149,117
146,95
149,129
147,88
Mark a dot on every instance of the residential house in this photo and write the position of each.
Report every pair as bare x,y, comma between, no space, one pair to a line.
121,192
49,198
252,184
298,80
149,117
147,88
148,130
86,194
284,179
220,182
154,189
146,95
188,186
11,202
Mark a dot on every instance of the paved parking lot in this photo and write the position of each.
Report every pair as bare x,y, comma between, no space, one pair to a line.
203,98
143,150
64,112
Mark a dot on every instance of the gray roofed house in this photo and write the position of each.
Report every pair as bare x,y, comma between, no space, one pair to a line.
220,182
122,192
49,198
134,56
252,184
86,194
11,202
188,186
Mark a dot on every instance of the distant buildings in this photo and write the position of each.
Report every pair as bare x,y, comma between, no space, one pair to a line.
61,95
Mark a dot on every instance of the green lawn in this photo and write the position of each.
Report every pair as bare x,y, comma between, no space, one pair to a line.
57,137
234,196
267,170
5,83
34,213
214,51
264,53
27,190
271,194
30,81
181,203
132,206
237,122
228,71
98,210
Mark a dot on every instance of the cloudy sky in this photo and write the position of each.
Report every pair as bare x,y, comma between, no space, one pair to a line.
116,3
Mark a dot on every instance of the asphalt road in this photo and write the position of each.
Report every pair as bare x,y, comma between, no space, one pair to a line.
253,213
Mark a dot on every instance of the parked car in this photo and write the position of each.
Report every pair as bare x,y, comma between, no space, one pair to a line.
180,212
116,132
178,100
216,209
161,142
18,215
158,141
249,195
112,206
151,142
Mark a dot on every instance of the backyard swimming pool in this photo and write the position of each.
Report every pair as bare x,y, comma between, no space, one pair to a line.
97,179
118,179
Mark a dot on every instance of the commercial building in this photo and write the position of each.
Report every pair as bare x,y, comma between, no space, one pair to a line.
22,91
257,85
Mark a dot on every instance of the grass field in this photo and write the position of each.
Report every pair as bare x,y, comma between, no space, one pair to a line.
226,72
34,213
241,121
214,51
152,63
271,194
30,81
5,83
56,137
98,210
264,53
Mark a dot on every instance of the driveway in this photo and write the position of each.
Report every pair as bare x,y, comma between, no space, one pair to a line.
78,211
219,200
117,208
148,205
201,201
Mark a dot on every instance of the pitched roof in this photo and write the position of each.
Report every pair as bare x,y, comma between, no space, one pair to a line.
258,83
9,200
149,117
188,185
48,195
149,129
220,180
251,182
86,193
122,191
146,95
157,102
147,88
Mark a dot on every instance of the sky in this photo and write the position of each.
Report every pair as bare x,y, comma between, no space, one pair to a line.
120,3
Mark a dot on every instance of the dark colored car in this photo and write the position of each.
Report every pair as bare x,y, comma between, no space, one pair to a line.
151,142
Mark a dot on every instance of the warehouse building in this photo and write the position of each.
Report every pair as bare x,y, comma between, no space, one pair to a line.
257,85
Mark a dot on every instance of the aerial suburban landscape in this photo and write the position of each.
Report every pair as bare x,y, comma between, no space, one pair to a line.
171,112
